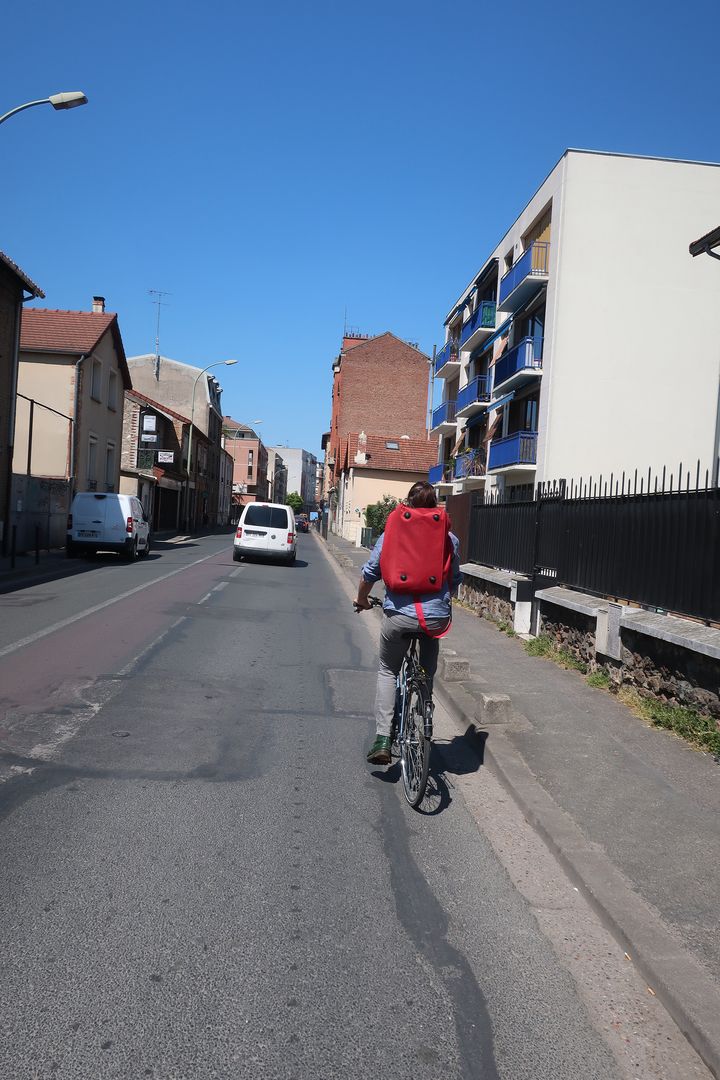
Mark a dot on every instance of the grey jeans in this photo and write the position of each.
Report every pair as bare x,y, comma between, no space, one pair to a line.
393,646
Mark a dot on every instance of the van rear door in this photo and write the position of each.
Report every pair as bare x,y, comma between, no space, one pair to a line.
88,516
279,528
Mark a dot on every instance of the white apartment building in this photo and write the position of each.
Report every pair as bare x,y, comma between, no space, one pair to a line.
301,468
589,342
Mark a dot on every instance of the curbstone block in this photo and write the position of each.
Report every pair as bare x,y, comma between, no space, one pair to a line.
455,668
493,709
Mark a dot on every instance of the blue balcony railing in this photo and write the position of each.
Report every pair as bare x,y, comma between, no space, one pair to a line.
477,390
525,356
532,263
517,449
482,318
444,414
471,463
441,473
448,354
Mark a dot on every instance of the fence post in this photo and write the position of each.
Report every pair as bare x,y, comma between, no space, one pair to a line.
535,604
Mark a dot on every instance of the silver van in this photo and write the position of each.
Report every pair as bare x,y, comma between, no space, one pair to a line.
107,522
266,530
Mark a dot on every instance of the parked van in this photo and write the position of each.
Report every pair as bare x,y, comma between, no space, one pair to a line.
265,530
107,522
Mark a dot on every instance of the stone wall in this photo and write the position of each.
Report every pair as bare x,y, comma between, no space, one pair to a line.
656,668
671,673
569,630
486,599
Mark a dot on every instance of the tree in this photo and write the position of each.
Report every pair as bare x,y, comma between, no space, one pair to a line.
376,514
294,501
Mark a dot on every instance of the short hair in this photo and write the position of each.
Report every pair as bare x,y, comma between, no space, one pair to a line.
422,495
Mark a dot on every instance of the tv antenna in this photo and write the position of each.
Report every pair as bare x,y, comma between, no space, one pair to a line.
160,303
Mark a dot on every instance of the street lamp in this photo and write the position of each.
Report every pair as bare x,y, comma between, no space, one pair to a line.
220,363
67,100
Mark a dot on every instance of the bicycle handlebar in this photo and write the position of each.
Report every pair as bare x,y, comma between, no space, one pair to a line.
373,601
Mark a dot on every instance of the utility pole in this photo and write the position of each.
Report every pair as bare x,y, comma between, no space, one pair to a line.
159,302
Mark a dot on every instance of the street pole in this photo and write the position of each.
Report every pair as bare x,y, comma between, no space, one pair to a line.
67,100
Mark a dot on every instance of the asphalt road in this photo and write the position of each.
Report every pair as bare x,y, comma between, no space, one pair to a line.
203,879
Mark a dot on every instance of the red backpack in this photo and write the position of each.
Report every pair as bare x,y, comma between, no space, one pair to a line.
416,555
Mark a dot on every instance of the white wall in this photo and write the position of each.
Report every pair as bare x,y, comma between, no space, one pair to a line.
632,358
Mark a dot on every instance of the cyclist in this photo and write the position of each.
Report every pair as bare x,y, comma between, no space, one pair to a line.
400,620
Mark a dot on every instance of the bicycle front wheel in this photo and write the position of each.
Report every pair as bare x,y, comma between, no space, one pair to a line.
414,746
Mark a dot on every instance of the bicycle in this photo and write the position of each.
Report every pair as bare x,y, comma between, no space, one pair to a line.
413,721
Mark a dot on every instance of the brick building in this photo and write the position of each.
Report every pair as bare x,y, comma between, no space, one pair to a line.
250,463
372,467
380,388
153,463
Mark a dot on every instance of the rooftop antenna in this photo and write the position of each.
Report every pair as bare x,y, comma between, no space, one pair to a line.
159,302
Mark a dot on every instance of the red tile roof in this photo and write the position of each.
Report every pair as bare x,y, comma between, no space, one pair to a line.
44,330
73,333
145,400
412,455
27,282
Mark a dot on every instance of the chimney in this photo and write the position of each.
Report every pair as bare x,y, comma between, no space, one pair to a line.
98,305
361,455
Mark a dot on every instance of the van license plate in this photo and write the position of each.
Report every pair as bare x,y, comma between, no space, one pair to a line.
87,532
253,532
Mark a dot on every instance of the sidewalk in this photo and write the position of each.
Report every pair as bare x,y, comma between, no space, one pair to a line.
632,812
54,564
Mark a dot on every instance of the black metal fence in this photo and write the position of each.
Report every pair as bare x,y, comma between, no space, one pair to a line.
654,541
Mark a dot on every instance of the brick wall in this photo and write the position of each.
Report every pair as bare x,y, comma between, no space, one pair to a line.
381,389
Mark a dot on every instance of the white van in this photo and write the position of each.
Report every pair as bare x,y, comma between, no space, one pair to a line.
266,530
107,522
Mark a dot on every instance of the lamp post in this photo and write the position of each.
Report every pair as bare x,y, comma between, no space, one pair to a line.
67,100
220,363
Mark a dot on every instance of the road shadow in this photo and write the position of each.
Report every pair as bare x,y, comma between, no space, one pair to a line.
460,756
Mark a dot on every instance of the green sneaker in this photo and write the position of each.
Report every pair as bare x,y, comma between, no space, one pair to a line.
379,753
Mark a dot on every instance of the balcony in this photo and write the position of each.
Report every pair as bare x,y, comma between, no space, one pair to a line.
479,326
441,475
443,418
447,361
520,365
470,469
518,451
474,397
525,277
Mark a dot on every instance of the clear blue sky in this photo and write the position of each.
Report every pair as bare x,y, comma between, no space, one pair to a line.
271,170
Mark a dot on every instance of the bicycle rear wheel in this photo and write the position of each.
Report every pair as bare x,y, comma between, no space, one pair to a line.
414,746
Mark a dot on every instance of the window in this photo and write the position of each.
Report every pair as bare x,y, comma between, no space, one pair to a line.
271,517
112,390
110,467
96,381
92,463
392,445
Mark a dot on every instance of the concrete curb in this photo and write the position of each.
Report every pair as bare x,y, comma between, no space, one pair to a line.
686,990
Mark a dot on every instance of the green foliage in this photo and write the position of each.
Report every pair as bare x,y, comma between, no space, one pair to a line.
294,501
695,727
600,680
505,627
376,514
543,645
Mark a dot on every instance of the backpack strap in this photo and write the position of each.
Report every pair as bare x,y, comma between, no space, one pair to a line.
423,624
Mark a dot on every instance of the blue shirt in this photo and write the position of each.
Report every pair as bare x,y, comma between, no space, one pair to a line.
435,605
